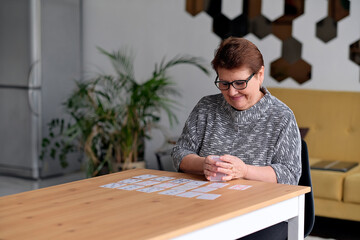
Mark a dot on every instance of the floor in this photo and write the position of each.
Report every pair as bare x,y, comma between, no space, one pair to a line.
329,228
324,228
12,185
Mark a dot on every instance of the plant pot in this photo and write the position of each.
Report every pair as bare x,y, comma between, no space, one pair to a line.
133,165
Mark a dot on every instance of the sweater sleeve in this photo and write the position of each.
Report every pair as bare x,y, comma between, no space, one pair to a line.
287,153
189,141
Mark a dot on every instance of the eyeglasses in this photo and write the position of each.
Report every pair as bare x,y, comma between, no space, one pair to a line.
237,84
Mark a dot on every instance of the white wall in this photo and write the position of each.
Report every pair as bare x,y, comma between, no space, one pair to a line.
158,28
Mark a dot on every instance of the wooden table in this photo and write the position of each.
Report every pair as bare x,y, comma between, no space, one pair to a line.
84,210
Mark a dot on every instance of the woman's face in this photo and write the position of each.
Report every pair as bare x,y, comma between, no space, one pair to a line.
246,98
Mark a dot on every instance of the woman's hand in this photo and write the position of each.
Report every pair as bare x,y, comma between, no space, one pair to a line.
209,167
232,166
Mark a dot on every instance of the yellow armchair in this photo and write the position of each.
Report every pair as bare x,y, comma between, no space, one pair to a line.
333,120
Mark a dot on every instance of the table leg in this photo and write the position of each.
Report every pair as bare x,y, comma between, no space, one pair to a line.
296,224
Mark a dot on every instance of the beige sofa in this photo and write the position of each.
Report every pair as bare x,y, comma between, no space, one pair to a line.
333,122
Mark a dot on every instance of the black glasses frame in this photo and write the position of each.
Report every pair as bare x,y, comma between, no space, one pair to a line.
232,83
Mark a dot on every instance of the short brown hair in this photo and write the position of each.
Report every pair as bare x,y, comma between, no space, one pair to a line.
236,52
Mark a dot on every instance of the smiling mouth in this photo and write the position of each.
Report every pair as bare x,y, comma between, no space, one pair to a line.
235,98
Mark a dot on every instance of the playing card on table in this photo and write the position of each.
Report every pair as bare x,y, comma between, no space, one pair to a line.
185,187
240,187
181,180
150,189
204,189
112,185
189,194
197,183
167,185
145,176
208,196
129,180
130,187
171,192
147,183
162,179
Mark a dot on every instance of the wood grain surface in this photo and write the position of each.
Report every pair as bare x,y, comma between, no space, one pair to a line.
84,210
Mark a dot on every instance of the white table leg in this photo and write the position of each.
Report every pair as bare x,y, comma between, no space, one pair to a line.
296,224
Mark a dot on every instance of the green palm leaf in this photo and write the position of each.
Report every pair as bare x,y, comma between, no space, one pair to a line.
110,115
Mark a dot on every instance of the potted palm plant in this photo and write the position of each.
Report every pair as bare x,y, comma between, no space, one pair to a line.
111,115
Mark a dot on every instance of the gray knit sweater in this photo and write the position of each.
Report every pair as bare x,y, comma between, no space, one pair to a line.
264,135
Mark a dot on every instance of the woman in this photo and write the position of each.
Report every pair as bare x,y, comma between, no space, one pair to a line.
254,133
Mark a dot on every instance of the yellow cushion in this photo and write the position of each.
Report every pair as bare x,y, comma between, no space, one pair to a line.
335,209
352,188
327,184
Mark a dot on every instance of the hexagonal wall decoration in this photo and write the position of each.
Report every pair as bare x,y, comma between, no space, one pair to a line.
226,23
279,69
291,50
260,26
282,27
279,22
290,64
355,52
195,7
338,9
326,29
300,71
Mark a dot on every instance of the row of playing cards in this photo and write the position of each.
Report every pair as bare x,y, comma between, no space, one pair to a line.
181,187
